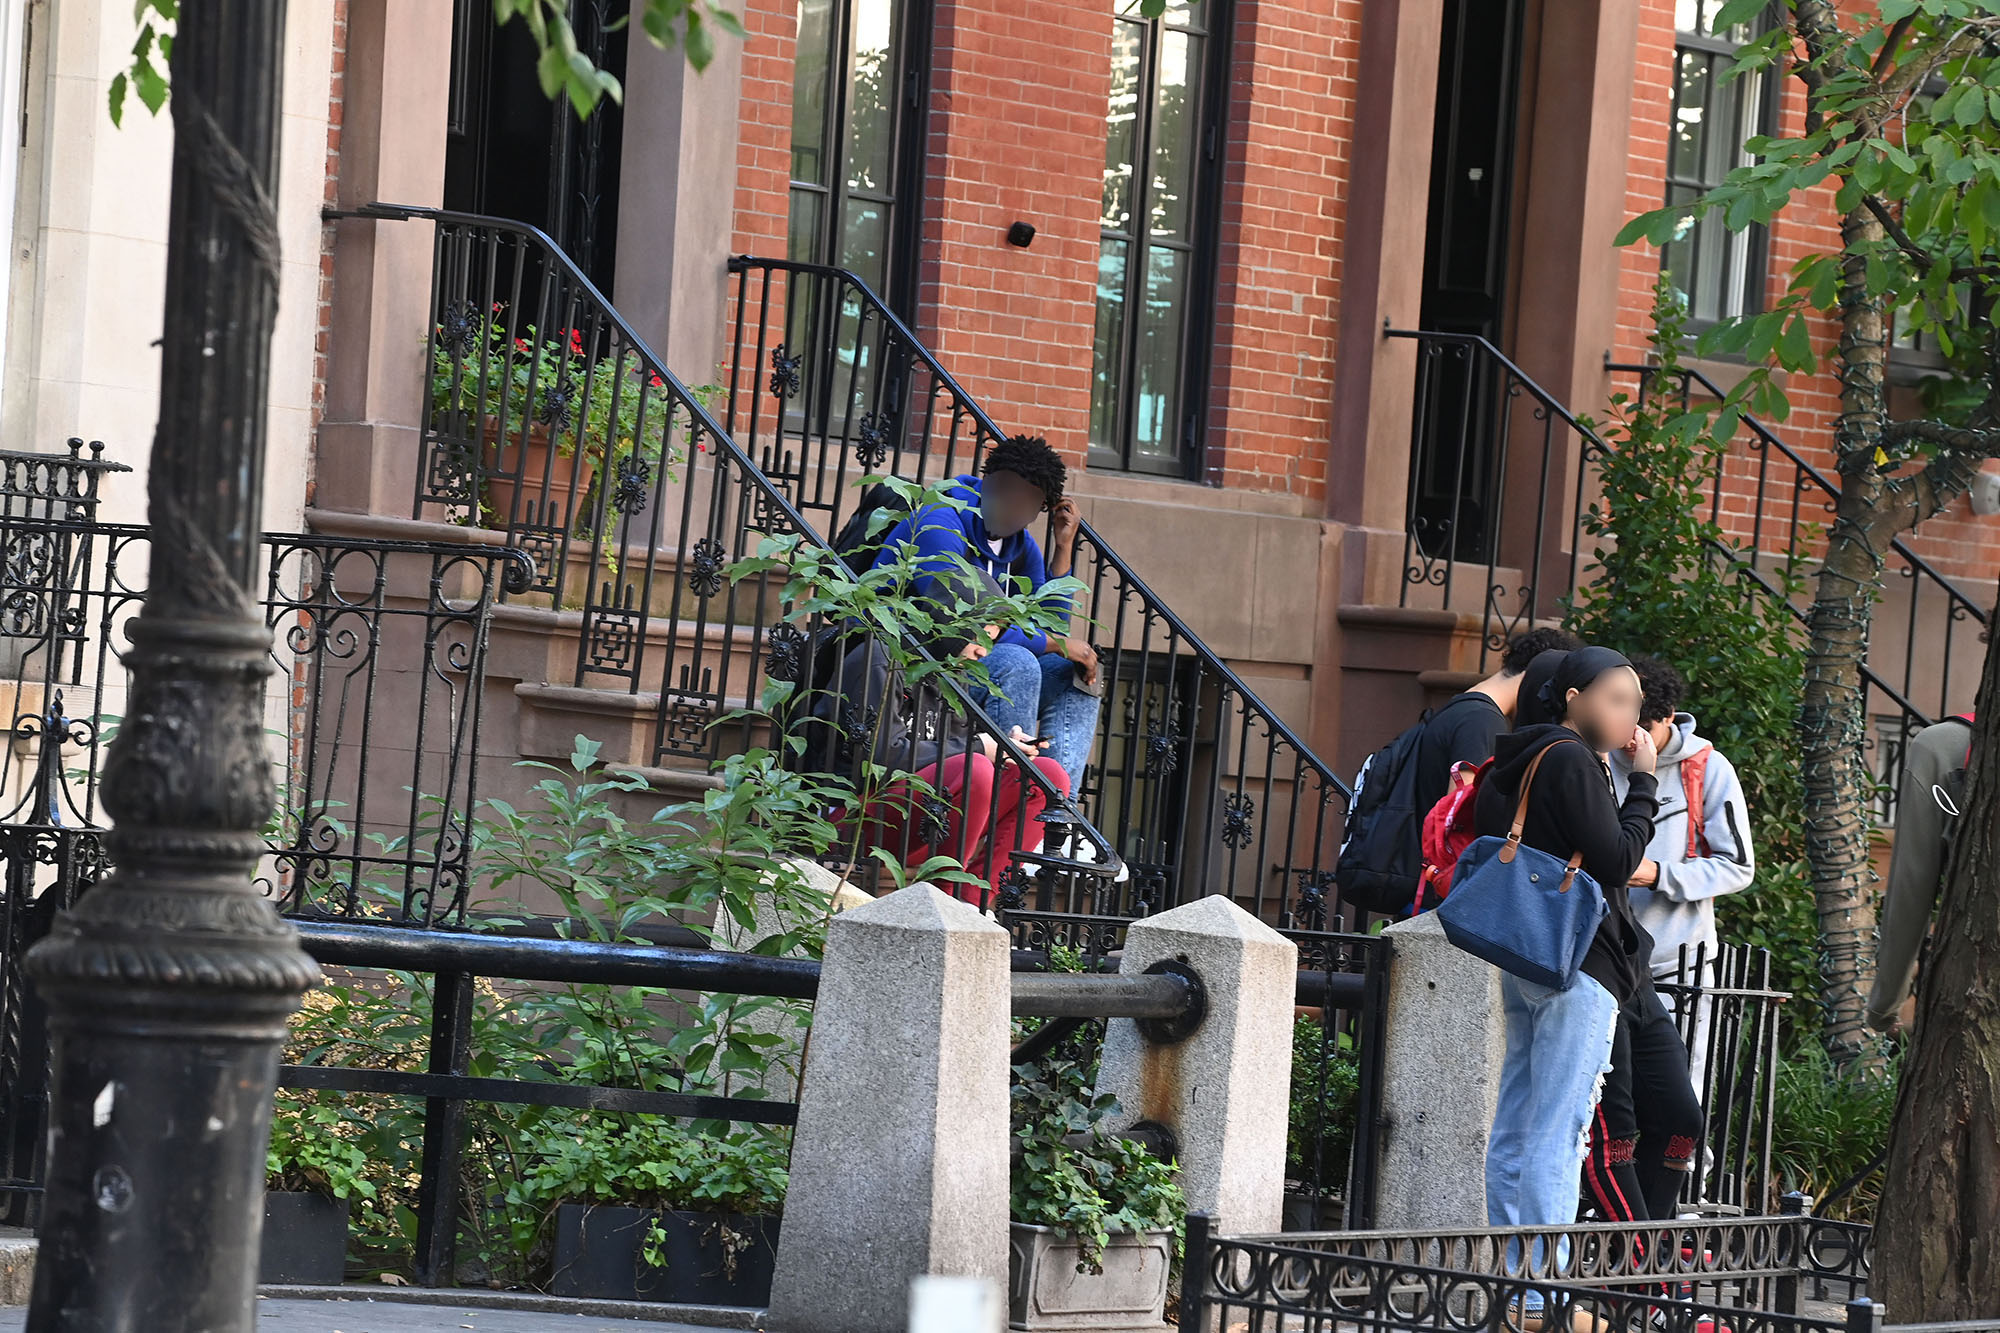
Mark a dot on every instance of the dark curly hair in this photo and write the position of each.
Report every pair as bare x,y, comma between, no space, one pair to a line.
1030,458
1526,646
1665,689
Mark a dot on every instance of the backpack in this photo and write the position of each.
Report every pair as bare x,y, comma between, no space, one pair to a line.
1448,831
1381,846
859,541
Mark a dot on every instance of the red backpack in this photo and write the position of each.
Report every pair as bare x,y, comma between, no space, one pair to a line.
1448,831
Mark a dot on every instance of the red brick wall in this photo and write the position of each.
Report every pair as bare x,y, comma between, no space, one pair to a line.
1018,100
1290,124
764,134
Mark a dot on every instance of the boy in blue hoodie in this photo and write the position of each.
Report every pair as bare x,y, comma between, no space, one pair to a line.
1045,686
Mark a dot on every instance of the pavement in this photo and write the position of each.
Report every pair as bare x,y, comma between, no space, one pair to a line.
362,1310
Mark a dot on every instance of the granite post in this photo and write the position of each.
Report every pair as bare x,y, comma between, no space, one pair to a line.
899,1161
1444,1044
1224,1091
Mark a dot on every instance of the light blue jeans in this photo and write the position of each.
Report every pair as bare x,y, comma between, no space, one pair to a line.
1558,1050
1039,695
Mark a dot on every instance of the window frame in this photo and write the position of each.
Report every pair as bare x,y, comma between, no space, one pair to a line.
1757,247
1206,184
910,39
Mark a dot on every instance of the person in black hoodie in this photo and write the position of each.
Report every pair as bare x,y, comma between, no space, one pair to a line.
1559,1042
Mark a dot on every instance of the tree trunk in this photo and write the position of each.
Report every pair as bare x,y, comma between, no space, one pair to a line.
1937,1251
1833,720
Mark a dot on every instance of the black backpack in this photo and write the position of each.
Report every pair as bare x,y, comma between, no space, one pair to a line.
1381,849
856,543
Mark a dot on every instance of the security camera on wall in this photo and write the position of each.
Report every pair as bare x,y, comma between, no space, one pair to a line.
1985,494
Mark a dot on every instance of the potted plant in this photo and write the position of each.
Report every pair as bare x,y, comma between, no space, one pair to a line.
314,1168
1319,1135
1096,1218
547,411
652,1209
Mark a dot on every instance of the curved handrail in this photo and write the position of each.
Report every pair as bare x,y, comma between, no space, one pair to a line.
1818,478
962,399
1521,376
1107,863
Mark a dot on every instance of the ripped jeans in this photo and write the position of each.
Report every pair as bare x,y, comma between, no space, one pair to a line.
1558,1049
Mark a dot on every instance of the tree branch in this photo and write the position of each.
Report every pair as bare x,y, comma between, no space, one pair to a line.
1886,57
1919,256
1976,443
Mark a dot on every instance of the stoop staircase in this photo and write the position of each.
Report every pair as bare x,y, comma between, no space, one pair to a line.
631,630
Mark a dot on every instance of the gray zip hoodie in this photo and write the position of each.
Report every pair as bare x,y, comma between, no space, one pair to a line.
1680,908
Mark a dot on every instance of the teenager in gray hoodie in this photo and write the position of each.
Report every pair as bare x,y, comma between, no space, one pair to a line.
1691,861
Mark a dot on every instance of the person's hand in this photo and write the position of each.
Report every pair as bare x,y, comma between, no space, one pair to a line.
1645,755
1080,652
1026,743
987,746
1648,873
973,651
1064,517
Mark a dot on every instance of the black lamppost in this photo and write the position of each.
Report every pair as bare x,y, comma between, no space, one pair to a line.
169,984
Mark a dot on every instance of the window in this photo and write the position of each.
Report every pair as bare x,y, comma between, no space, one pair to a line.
1719,271
855,142
1156,253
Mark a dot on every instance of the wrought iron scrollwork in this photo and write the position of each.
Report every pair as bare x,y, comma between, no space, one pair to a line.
1238,819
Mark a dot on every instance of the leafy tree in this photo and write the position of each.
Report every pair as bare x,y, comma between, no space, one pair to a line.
1665,580
1902,126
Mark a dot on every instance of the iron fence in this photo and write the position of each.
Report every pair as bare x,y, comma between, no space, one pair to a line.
1199,784
551,421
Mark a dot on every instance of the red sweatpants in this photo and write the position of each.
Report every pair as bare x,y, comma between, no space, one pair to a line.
988,809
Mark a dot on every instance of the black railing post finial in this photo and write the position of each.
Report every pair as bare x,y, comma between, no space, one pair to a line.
169,984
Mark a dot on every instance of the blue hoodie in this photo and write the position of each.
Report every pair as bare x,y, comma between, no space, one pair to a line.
943,530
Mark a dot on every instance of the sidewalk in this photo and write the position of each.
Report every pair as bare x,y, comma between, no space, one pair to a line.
360,1311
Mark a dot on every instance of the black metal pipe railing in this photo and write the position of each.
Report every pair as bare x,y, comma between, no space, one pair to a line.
1199,783
550,419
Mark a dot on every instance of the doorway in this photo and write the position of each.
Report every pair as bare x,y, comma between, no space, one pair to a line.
1454,472
512,152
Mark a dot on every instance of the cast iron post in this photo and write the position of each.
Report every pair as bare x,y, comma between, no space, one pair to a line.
169,984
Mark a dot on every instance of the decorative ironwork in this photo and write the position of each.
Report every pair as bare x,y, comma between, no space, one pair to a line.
635,481
705,567
933,820
460,328
871,442
1238,815
1163,753
786,657
784,372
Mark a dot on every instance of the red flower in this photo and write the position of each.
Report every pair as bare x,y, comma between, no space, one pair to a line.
520,344
654,381
576,342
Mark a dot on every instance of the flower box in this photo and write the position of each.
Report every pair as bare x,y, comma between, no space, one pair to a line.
305,1240
1047,1292
708,1258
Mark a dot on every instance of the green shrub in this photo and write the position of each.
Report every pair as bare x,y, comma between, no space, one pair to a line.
1664,579
1831,1122
1326,1087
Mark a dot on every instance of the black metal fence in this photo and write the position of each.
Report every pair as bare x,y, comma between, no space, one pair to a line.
1729,1017
1197,782
1740,1274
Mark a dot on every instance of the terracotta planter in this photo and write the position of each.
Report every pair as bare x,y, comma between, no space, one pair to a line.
516,470
708,1258
1046,1291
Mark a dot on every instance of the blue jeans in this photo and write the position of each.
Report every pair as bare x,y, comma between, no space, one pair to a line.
1558,1049
1039,695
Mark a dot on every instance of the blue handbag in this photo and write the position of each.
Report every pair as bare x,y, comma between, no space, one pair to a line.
1520,909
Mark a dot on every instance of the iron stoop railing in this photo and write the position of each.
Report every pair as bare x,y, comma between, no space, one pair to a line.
1199,783
551,421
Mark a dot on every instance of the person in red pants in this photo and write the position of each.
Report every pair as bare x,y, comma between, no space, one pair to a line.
989,811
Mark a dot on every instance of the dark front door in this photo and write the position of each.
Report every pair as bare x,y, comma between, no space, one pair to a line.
1454,472
512,152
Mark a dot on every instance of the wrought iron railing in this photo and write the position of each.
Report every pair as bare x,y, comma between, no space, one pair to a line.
1500,473
1199,783
1728,1016
1771,500
551,423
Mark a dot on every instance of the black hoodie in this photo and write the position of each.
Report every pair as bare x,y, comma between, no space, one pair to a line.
1569,809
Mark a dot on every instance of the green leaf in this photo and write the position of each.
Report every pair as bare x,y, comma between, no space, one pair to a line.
1969,110
1795,346
118,102
1738,11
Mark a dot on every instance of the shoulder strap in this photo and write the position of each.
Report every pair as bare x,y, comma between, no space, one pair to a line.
1694,779
1521,817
